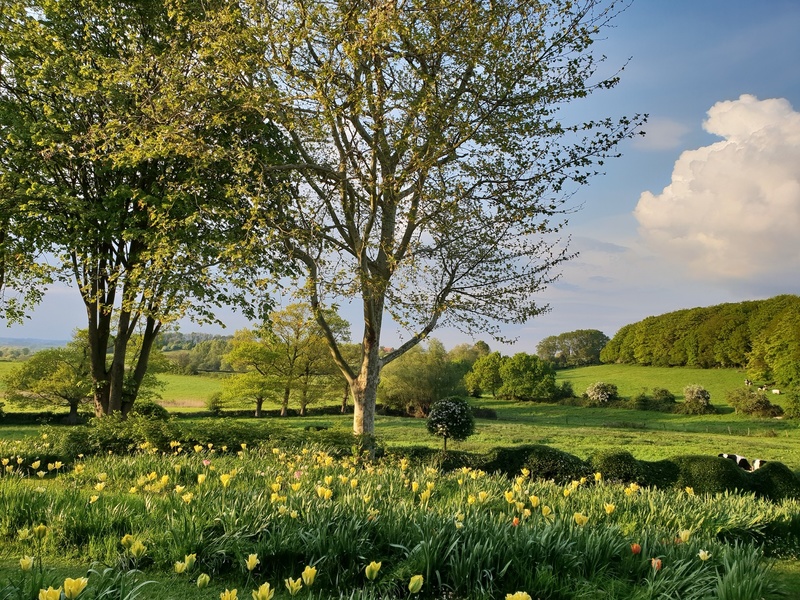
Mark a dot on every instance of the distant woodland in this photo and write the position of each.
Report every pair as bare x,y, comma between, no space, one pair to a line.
761,336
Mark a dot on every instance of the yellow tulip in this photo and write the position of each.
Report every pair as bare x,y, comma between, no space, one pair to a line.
26,563
24,534
534,501
93,499
228,595
252,562
518,596
127,540
580,519
598,477
293,585
35,464
690,491
74,587
684,535
190,559
180,567
415,585
263,592
372,570
225,479
202,580
50,594
609,508
40,531
201,478
138,549
308,575
704,555
187,497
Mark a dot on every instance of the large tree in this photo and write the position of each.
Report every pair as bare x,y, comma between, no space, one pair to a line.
435,163
126,165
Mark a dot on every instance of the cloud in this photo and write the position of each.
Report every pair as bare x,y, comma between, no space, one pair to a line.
732,211
661,134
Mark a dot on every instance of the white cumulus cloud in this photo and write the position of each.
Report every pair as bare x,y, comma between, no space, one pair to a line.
731,213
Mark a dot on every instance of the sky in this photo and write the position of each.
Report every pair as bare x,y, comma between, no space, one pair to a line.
704,209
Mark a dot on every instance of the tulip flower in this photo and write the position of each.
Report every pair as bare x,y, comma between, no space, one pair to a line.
293,585
190,559
202,580
415,585
40,531
372,570
252,562
127,540
704,555
228,595
74,587
35,464
263,592
609,508
180,567
636,548
50,594
26,563
684,535
225,479
580,519
308,575
518,596
138,549
656,563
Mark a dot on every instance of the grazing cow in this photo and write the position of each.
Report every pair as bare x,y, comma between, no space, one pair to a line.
741,461
748,382
758,463
776,391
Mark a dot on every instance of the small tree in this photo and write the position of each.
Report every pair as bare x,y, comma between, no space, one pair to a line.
485,375
526,377
602,393
748,401
451,418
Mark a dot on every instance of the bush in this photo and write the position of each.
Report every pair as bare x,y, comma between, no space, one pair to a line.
696,401
601,393
748,401
710,474
148,408
775,481
661,399
451,418
617,465
543,462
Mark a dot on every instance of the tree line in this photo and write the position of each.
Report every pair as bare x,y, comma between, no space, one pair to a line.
761,336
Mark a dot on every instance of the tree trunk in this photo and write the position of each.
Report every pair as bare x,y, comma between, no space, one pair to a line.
345,396
259,405
365,391
285,403
72,417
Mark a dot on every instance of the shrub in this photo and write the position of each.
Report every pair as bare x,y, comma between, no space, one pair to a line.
617,465
661,399
148,408
748,401
601,393
215,404
775,481
543,462
696,400
451,418
710,474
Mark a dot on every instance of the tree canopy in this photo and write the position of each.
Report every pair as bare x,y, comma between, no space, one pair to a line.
434,162
128,166
573,349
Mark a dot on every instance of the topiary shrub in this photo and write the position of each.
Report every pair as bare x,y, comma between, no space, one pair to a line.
663,474
696,401
617,465
543,462
601,393
451,418
710,474
775,481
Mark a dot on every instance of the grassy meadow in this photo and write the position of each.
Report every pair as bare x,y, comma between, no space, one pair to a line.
469,534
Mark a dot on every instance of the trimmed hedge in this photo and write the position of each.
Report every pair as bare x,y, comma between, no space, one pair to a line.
617,465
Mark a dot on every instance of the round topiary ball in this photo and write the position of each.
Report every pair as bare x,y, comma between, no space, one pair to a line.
451,418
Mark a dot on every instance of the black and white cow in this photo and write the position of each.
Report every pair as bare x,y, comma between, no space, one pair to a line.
741,461
758,463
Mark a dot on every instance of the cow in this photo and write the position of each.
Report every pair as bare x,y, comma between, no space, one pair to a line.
758,463
776,391
740,461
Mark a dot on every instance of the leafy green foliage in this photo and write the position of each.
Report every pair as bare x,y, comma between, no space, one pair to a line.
527,377
573,349
747,401
759,335
419,378
451,418
617,465
484,376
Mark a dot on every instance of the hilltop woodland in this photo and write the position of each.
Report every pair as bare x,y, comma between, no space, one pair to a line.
761,336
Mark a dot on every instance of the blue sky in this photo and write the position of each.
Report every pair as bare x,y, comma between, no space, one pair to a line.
705,209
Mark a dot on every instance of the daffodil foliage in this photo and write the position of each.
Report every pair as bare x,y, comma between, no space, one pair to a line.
128,167
434,163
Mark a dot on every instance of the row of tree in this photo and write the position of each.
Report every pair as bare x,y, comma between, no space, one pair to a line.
762,336
166,158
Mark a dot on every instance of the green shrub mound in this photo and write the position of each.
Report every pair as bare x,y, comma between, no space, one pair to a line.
710,474
748,401
617,465
775,481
